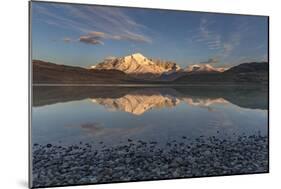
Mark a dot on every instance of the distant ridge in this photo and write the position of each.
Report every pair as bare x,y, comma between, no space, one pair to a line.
50,73
203,68
255,72
256,67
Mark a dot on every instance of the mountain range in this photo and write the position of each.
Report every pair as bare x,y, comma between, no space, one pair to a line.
139,66
138,69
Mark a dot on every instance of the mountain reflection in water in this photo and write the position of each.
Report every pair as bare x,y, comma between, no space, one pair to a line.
137,100
113,114
139,104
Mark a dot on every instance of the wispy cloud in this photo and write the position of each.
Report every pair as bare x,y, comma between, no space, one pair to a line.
221,44
129,36
92,21
89,39
231,43
97,38
214,40
207,36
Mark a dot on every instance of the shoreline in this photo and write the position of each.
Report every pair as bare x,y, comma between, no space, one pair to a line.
146,160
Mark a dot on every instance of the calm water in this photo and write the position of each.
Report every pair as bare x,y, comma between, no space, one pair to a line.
70,115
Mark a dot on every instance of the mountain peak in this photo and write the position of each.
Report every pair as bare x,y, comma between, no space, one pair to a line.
196,68
138,58
139,55
139,66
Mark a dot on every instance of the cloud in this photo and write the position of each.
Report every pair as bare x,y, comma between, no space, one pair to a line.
231,44
94,38
131,37
97,34
207,36
97,37
213,40
88,39
211,61
110,23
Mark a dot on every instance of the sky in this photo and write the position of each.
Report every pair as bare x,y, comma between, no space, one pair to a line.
84,35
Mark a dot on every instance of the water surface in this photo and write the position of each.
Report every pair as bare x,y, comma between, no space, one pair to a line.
112,115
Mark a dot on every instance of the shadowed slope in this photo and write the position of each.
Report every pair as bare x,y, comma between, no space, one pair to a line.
49,73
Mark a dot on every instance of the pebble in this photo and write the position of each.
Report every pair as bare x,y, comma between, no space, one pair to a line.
55,165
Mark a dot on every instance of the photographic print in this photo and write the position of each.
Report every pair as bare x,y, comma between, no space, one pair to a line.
123,94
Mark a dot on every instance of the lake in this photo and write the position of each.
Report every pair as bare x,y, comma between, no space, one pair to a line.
109,120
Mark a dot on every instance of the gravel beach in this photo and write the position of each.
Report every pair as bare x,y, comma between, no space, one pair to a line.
58,165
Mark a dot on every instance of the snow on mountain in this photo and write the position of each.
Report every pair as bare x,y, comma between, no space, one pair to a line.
138,65
203,68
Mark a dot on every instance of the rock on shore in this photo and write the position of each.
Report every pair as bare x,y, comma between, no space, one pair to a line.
55,165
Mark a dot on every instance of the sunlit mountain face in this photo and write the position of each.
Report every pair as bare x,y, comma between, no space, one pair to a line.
204,68
140,66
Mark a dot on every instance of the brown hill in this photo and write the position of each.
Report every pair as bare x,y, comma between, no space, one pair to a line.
50,73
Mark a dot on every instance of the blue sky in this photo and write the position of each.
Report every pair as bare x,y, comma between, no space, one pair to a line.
84,35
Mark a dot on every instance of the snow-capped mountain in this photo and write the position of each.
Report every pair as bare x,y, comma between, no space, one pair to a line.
138,66
203,68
